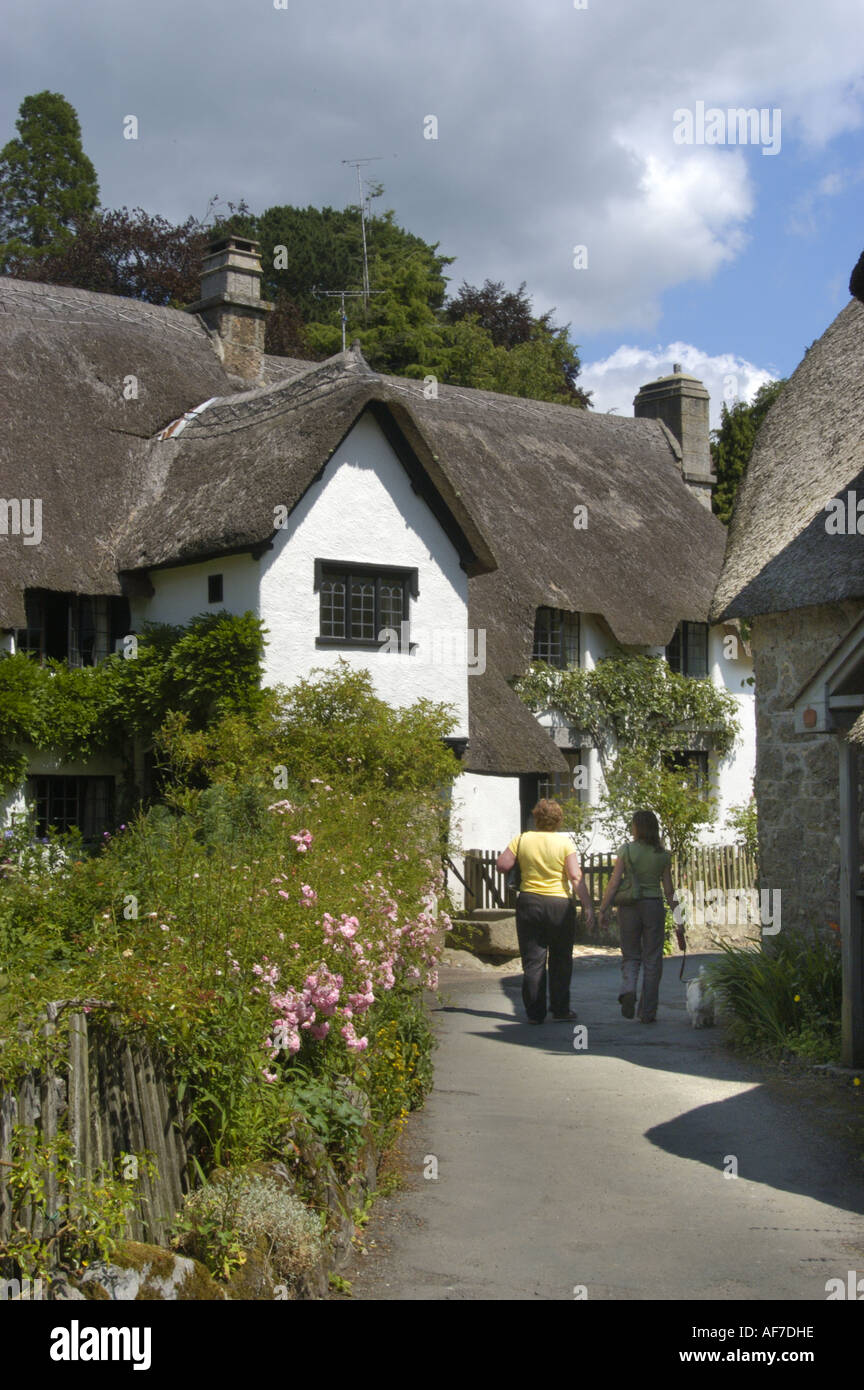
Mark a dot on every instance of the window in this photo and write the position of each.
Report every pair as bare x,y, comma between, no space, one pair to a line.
214,588
559,786
78,628
696,763
64,802
356,602
556,637
687,653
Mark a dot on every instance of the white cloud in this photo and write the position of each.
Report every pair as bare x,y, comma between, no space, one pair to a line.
616,379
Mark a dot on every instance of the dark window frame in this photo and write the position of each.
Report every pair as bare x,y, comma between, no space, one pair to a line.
215,588
564,650
78,796
696,758
687,649
558,786
381,575
80,629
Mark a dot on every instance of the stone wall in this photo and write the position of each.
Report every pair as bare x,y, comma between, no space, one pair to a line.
797,789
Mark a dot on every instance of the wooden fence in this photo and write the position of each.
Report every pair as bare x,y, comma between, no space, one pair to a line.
116,1100
714,866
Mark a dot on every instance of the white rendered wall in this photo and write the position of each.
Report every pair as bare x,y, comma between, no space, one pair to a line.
486,809
484,815
363,510
730,667
180,594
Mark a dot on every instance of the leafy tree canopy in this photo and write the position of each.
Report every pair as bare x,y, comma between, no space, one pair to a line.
634,710
127,253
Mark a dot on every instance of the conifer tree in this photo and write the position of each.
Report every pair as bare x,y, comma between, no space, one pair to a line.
47,183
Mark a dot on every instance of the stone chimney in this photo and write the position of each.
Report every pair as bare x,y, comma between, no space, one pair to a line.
231,303
681,402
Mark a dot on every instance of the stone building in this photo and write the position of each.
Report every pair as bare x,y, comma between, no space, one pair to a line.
794,570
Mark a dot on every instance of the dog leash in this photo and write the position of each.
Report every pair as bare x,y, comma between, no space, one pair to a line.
682,942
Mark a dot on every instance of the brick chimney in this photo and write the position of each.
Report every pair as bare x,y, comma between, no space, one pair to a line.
231,303
681,402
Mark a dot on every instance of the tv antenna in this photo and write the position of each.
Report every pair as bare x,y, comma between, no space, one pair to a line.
355,163
343,295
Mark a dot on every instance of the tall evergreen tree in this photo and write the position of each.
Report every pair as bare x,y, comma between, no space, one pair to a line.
47,183
732,444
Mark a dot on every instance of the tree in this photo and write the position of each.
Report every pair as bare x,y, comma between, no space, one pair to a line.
47,183
634,702
132,254
507,318
635,712
308,250
732,444
636,782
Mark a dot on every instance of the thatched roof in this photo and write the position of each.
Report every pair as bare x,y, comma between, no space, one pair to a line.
504,737
196,464
71,438
214,484
856,733
810,449
650,552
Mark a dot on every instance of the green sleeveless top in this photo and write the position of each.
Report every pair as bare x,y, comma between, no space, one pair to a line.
648,865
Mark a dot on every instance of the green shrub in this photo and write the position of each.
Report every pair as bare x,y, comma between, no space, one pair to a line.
243,1212
786,999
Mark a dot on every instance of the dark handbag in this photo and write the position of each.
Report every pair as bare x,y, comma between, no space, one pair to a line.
514,875
628,890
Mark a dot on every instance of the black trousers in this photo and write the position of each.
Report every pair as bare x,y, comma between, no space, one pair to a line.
545,926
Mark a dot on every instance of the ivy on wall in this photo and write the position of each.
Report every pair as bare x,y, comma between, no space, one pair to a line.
636,703
206,669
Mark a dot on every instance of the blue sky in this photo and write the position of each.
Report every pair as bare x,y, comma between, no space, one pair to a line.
555,129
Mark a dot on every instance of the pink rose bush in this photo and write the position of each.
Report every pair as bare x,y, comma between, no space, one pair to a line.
363,953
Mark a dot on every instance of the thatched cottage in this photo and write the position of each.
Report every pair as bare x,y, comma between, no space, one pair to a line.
178,467
794,570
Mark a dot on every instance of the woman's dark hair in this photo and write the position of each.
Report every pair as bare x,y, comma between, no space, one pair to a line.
646,827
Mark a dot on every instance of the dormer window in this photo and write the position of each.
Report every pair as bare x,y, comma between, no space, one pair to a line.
687,653
556,637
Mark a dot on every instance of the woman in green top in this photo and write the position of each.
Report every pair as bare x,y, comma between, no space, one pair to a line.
641,922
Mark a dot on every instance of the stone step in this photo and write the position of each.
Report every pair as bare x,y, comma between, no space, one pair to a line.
485,938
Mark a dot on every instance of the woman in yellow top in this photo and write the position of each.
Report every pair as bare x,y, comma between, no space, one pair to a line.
545,911
642,923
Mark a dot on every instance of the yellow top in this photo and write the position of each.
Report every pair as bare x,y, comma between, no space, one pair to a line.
541,858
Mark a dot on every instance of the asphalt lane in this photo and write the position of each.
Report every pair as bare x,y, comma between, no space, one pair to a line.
541,1169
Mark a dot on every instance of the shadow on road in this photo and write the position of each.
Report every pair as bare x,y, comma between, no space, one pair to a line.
748,1126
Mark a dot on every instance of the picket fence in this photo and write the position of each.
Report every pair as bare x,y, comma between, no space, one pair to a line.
714,866
114,1097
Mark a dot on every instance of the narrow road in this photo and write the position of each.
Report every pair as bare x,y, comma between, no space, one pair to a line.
601,1172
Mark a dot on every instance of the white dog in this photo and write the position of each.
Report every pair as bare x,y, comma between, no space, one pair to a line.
701,1004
